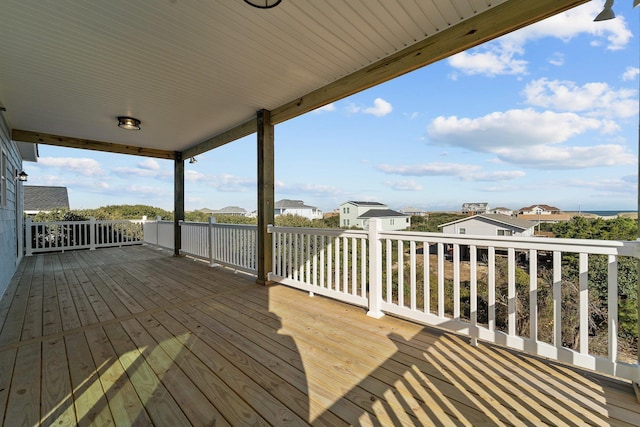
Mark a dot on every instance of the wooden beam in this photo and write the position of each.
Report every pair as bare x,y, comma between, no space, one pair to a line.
178,201
88,144
266,183
240,131
495,22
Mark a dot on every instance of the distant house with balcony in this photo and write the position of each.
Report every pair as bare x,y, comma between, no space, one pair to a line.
230,210
501,211
40,198
474,208
539,210
490,225
414,211
296,207
357,214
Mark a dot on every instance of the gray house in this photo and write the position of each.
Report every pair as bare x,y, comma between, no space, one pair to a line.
12,154
41,198
474,208
490,225
296,207
358,214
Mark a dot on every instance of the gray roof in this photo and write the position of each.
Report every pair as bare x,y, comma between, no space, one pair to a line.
504,219
365,203
231,209
293,204
382,213
43,198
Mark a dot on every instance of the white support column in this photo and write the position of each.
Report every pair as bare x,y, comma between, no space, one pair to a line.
28,244
375,269
92,234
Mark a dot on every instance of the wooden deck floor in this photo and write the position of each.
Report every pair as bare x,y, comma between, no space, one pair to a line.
133,336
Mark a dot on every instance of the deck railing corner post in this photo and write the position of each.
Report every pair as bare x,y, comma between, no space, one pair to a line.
92,233
28,244
375,269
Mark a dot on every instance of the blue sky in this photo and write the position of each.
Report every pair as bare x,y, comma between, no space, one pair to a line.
545,115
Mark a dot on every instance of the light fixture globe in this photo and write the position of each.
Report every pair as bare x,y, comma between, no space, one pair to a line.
128,123
607,12
22,176
263,4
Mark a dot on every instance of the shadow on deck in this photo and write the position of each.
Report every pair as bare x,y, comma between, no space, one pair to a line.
135,336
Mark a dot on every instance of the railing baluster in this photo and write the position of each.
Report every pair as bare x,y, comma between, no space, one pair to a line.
345,265
354,266
584,303
440,279
388,265
533,294
426,278
491,287
612,303
473,294
400,273
511,290
456,281
557,299
412,275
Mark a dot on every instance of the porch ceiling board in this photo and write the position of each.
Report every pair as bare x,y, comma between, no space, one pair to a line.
196,73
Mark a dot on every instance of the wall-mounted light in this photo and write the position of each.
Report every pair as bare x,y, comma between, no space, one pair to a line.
193,160
128,123
263,4
22,176
607,12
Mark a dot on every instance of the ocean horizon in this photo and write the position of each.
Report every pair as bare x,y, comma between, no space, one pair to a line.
608,212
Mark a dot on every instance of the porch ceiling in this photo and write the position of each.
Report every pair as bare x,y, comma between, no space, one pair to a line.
195,73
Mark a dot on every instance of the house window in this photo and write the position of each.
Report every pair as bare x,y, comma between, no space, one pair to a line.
391,221
3,179
505,233
462,231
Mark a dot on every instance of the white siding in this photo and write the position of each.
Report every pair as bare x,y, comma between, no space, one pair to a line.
481,227
10,209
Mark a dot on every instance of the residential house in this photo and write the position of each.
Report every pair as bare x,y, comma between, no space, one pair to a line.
501,211
490,225
539,210
474,208
358,214
41,198
231,210
296,207
12,154
414,211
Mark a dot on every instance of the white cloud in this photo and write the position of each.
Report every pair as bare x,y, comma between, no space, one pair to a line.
557,59
466,172
606,185
512,128
126,172
595,98
82,166
149,164
406,185
325,108
380,108
504,55
531,139
231,183
555,157
631,73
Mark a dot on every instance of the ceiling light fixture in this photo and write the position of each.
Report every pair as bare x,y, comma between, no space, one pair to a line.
263,4
128,123
193,160
607,12
636,3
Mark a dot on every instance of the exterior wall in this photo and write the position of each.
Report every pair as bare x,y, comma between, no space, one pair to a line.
307,213
10,209
349,213
484,228
388,223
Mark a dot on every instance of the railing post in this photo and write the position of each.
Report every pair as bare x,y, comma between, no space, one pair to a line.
212,220
28,244
158,219
375,269
92,234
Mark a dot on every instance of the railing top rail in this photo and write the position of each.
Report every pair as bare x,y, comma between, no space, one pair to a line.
216,224
613,247
334,232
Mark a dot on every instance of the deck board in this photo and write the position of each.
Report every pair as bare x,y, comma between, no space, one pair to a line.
135,336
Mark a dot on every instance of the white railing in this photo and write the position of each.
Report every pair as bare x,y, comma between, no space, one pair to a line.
506,290
231,245
322,261
159,233
68,235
